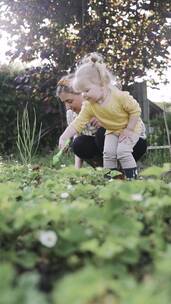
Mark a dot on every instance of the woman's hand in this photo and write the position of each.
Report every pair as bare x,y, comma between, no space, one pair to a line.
95,122
125,134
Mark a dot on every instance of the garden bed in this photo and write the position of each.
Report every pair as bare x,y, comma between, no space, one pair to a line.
69,236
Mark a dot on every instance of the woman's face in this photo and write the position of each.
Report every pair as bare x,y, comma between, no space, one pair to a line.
72,101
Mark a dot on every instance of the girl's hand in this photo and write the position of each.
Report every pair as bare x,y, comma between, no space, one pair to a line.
125,134
64,139
63,143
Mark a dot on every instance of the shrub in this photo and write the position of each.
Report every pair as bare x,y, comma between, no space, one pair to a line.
35,87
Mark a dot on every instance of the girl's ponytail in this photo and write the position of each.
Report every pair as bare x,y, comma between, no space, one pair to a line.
95,61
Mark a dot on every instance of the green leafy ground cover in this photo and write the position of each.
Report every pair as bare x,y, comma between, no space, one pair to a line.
70,237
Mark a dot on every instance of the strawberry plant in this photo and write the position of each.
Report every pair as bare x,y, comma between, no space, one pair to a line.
71,236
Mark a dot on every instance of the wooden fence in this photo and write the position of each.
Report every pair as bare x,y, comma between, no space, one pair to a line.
158,147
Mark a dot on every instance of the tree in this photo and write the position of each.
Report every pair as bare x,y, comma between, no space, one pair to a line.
132,34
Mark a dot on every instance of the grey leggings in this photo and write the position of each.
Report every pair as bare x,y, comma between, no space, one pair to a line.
122,151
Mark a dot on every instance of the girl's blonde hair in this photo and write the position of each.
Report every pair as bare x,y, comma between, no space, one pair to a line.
93,69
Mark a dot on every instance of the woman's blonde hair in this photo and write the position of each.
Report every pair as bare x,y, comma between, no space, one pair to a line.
64,85
93,69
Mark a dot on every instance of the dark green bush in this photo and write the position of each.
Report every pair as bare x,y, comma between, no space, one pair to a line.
8,109
36,88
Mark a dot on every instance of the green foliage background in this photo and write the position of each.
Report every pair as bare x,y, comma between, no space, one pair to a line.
130,34
8,109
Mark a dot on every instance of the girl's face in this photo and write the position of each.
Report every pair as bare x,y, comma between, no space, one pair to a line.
92,92
72,101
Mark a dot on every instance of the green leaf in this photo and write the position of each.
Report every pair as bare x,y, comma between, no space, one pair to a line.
154,171
82,287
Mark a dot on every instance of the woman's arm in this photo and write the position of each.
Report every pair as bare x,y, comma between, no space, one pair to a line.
69,132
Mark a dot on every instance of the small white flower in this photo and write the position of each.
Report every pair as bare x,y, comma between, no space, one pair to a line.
47,238
64,195
69,187
137,197
63,166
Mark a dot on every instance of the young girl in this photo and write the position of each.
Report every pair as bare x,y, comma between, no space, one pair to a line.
117,111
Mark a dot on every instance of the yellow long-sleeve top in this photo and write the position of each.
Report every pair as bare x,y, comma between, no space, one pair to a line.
114,115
